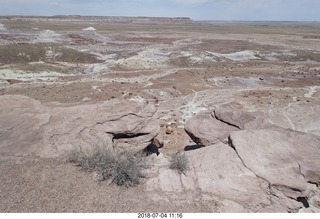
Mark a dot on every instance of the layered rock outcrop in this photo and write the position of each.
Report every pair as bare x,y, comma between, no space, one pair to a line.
205,129
246,164
28,127
262,167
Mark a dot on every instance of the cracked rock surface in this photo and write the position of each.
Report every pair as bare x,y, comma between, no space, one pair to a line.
28,127
205,129
265,169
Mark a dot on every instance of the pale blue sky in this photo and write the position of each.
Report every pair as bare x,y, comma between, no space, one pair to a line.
279,10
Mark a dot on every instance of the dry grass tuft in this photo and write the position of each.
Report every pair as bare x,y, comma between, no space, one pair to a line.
179,162
122,168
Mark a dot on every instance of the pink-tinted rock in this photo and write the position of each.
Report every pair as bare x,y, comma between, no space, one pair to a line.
233,114
285,158
206,130
28,127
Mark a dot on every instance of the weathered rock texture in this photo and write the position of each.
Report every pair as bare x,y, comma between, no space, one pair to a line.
248,165
205,129
28,127
288,159
263,168
233,114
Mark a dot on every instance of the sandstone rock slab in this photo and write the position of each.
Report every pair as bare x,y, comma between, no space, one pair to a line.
233,114
28,127
285,158
219,174
206,130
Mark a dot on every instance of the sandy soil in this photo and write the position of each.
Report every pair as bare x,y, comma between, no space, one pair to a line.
182,68
54,185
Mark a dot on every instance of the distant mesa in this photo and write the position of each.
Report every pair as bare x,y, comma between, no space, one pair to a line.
126,19
108,19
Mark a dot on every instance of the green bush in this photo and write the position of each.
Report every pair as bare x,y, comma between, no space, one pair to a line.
122,168
179,162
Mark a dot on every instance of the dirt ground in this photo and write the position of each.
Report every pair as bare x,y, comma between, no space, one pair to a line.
54,185
181,68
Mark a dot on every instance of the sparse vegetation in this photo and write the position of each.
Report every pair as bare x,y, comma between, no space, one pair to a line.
47,52
180,163
122,168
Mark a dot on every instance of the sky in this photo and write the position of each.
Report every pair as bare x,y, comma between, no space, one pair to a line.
245,10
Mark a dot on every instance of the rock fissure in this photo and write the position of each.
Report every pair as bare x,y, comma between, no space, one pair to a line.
304,201
118,118
313,183
13,127
228,123
246,165
47,122
301,170
126,135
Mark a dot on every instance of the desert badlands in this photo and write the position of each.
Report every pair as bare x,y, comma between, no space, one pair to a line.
241,102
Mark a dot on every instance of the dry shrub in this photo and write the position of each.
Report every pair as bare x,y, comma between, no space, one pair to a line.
122,168
179,162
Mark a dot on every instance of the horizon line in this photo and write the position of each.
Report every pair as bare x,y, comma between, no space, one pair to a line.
169,17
